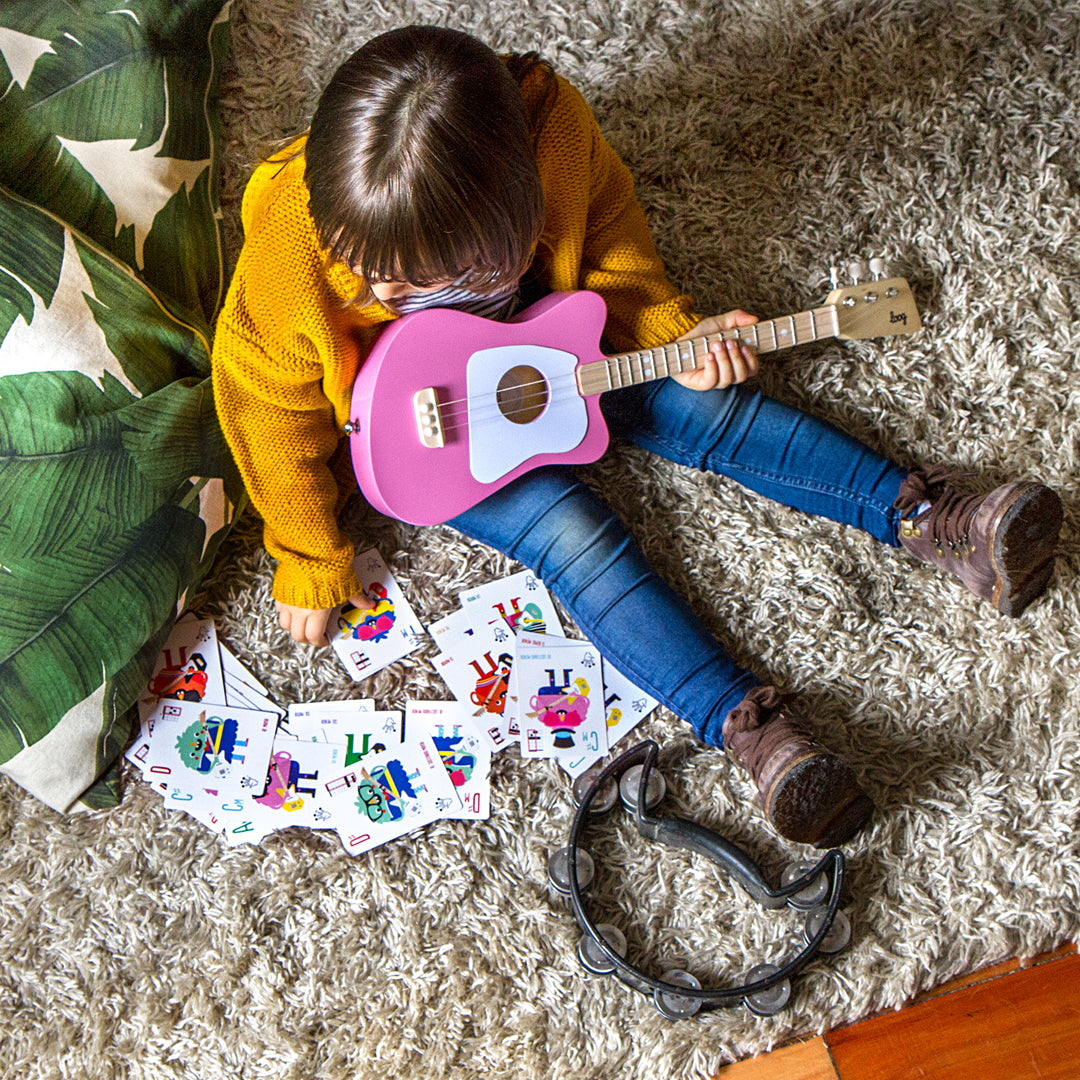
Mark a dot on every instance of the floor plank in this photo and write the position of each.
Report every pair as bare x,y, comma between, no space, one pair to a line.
1021,1026
1006,967
800,1061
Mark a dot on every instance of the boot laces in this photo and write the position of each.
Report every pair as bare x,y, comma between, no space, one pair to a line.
948,517
763,711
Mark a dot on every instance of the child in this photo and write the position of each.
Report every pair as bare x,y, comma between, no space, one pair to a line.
436,174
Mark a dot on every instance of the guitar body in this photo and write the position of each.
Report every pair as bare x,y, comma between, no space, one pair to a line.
507,398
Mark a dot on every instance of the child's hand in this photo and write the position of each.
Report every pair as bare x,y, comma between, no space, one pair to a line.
308,625
728,362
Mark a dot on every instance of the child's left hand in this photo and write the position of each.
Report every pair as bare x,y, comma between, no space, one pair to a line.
728,362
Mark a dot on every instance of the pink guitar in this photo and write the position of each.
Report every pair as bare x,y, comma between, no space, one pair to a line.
449,408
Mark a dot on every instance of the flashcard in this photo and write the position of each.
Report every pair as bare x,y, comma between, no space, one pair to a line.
447,632
391,794
293,796
468,761
561,698
242,689
194,745
188,667
625,703
368,640
519,602
478,672
326,721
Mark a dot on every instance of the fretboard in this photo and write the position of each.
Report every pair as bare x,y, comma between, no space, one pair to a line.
630,368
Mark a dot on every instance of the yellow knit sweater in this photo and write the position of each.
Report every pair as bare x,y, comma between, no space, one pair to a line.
288,344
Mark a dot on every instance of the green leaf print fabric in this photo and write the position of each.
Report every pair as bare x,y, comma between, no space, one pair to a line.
116,486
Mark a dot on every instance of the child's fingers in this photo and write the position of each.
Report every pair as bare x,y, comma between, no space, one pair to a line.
301,624
743,360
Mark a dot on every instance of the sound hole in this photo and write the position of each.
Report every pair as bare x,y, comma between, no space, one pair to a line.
522,394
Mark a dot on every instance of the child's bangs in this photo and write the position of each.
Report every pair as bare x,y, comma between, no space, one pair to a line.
425,243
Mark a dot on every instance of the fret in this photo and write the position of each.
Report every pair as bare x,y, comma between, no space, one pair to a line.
614,375
677,357
650,372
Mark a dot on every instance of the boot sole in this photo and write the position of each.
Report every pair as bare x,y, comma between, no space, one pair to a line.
818,801
1024,547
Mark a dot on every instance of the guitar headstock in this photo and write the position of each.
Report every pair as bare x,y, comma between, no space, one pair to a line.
875,309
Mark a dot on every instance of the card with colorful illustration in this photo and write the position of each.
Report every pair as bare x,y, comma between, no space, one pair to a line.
294,796
188,668
467,759
367,640
193,745
519,602
388,795
477,671
561,698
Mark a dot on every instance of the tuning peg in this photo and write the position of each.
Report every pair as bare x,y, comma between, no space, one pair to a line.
878,268
834,276
858,271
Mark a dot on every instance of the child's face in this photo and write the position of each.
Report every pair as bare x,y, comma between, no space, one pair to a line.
387,292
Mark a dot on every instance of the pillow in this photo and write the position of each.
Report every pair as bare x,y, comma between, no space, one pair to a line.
116,486
110,121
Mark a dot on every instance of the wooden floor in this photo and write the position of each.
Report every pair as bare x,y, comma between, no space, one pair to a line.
1010,1022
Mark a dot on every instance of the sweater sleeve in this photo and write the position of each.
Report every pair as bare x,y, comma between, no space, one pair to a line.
271,350
597,231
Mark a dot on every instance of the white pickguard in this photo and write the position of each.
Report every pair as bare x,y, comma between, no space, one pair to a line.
498,445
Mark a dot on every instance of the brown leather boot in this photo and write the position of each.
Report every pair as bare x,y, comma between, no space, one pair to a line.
808,794
1001,545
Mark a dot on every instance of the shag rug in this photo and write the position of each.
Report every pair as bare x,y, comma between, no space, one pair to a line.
770,139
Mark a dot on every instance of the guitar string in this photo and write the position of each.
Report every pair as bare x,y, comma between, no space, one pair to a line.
485,408
629,359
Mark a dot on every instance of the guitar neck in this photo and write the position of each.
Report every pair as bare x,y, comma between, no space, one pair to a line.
628,369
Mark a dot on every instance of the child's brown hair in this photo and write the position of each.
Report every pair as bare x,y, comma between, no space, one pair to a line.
420,162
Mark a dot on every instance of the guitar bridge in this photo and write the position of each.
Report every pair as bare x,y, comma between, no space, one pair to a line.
429,418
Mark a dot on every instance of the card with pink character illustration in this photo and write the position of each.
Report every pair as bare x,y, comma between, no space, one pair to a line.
561,704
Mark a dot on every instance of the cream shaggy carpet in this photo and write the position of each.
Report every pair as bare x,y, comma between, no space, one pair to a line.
770,138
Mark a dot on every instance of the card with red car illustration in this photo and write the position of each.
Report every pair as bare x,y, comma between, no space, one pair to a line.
367,640
188,667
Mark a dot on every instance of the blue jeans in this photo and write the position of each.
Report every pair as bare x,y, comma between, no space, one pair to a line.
580,549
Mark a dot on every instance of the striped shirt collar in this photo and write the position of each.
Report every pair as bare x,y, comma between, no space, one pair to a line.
488,305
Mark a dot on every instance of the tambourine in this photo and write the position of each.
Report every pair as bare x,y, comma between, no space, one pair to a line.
811,887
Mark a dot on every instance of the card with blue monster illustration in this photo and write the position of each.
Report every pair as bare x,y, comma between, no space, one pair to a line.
194,745
389,794
368,639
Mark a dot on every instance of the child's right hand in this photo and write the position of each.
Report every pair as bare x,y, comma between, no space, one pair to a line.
309,625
